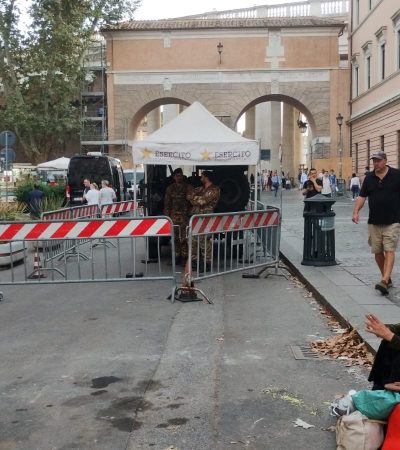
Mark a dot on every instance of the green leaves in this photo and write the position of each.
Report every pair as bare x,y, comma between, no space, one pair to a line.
41,69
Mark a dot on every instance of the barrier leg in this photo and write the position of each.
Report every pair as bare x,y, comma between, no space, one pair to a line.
187,293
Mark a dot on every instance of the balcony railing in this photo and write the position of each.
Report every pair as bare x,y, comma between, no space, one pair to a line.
322,8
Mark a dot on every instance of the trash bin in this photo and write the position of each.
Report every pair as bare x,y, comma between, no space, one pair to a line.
319,231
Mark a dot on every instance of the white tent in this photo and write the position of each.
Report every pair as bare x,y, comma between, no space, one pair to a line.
56,164
195,137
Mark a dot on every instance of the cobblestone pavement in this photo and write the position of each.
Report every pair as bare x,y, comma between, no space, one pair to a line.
352,251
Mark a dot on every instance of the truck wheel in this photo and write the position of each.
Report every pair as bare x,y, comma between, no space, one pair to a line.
235,191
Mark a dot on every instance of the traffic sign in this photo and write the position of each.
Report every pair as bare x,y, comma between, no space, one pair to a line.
7,138
8,154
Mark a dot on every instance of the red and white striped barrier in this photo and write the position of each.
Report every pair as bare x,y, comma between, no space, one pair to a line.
84,211
77,212
119,207
96,229
61,214
232,222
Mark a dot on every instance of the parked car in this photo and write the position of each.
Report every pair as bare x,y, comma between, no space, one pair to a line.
94,166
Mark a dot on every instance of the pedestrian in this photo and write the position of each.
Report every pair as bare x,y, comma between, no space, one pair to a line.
355,186
177,207
382,188
92,196
303,179
385,371
276,182
203,199
107,194
333,180
326,185
312,186
35,201
269,181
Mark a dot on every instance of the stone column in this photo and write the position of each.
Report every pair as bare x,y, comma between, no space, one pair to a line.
250,130
288,147
275,135
153,120
262,129
170,112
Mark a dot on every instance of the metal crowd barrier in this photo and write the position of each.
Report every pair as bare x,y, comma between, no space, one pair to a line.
126,208
226,243
53,250
124,261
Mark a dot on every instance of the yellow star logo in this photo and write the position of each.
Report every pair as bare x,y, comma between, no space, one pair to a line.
146,153
205,155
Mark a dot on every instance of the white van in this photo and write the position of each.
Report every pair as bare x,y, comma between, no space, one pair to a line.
129,179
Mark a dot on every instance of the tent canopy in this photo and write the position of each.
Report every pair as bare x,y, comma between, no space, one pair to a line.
55,164
195,137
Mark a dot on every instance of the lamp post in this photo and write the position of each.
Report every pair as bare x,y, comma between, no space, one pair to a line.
220,47
339,121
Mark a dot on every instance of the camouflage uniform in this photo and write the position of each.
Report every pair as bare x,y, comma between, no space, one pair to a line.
203,200
177,208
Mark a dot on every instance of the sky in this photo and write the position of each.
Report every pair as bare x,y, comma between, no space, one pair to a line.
163,9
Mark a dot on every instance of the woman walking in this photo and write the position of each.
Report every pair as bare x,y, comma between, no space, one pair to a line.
355,186
276,182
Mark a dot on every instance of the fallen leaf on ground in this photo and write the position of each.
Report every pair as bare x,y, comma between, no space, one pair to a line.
346,346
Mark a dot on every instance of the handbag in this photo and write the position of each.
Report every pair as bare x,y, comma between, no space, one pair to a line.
357,432
376,404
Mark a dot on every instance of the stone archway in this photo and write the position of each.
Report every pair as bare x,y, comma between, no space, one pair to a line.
155,63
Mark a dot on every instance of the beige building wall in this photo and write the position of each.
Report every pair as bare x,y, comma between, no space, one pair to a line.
293,61
375,93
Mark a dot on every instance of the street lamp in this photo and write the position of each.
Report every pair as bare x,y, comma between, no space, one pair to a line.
339,121
302,125
220,47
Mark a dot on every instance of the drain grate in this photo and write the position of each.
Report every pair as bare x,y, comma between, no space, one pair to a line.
304,352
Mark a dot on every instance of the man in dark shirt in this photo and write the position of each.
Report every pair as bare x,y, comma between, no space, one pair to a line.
382,187
311,187
34,200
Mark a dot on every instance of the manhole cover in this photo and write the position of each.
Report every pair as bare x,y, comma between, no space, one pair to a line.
304,352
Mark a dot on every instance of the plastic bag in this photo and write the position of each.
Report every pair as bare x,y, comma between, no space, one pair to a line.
376,404
342,405
357,432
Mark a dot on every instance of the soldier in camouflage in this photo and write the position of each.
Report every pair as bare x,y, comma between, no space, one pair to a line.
204,199
177,207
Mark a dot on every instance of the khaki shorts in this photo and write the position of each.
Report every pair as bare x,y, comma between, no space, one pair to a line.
383,237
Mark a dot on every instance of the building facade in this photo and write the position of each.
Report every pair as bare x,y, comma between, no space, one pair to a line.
231,66
375,81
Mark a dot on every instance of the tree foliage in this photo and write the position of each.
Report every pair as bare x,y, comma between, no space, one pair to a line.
41,68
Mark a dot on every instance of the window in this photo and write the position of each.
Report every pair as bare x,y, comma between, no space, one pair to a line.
357,12
367,48
382,143
398,48
396,25
381,41
355,80
368,72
